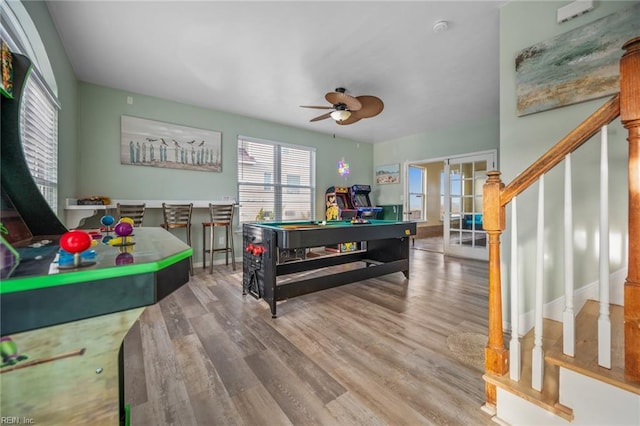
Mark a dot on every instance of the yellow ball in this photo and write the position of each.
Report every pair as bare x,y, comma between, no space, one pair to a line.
127,220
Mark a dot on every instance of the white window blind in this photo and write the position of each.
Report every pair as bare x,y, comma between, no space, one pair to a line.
39,132
275,181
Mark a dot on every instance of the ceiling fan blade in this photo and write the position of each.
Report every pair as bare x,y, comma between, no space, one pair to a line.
352,119
316,106
335,98
321,117
371,106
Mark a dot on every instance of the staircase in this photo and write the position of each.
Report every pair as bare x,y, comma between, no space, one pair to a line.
585,368
568,379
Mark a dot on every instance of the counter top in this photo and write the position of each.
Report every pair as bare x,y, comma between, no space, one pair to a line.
72,203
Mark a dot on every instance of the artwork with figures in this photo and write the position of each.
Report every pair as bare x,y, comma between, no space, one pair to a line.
153,143
576,66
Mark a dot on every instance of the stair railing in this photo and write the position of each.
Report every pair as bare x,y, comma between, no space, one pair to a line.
496,196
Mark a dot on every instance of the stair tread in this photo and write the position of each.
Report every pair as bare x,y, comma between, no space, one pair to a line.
548,397
586,351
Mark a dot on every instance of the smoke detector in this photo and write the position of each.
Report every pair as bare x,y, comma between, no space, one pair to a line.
440,26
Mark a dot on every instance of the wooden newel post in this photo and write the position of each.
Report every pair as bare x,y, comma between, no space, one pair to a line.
630,117
496,357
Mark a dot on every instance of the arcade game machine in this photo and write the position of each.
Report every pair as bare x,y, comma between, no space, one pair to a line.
61,331
338,204
339,207
362,203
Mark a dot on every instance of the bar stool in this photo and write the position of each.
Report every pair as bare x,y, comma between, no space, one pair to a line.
133,211
221,215
179,216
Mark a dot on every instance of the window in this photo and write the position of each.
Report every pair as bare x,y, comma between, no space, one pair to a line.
39,114
417,195
278,183
39,132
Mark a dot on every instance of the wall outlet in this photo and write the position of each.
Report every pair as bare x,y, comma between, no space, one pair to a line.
220,240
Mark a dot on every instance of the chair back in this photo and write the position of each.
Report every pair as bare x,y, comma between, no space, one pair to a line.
221,214
134,211
177,215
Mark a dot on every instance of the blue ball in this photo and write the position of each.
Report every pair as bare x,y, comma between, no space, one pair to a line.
107,220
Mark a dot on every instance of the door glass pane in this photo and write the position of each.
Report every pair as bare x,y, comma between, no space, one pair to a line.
454,237
455,185
467,170
466,238
478,204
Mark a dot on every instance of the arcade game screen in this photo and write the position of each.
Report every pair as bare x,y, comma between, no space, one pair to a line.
361,200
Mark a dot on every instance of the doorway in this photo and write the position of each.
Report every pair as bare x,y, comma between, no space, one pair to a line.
448,211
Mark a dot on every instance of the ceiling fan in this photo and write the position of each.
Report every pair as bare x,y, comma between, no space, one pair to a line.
348,109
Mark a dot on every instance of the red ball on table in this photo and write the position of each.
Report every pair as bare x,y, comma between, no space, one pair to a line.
75,241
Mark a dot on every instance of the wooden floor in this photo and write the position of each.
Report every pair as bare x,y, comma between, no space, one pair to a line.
368,353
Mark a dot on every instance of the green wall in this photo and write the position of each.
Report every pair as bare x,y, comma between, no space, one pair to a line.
473,136
524,139
100,171
67,96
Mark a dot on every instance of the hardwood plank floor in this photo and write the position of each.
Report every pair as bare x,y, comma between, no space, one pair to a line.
368,353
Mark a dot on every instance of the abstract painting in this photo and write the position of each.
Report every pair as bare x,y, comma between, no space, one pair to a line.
154,143
576,66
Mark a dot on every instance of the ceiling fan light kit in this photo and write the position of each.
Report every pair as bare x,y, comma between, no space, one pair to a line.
348,109
340,114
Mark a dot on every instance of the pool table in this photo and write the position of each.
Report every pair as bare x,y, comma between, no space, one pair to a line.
275,249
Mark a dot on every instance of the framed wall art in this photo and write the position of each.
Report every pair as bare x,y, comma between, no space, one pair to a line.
386,174
576,66
157,144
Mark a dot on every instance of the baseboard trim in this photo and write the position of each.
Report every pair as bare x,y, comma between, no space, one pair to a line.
555,308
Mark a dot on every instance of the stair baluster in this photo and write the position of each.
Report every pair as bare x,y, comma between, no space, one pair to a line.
568,316
515,364
537,354
604,322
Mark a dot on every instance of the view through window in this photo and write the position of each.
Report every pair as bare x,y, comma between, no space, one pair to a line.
276,181
39,129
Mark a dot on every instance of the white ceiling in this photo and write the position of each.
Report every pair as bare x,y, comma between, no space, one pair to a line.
264,59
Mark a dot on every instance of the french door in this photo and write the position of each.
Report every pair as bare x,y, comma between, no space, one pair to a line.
464,177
